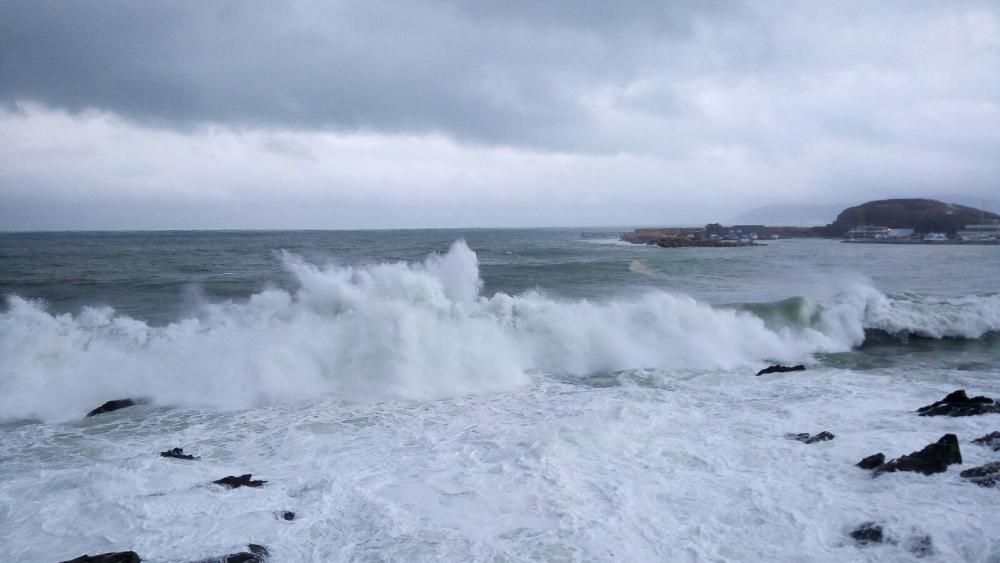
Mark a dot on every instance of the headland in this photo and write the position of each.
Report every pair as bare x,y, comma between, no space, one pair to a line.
889,221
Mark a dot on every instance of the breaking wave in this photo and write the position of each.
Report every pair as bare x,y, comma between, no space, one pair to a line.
422,331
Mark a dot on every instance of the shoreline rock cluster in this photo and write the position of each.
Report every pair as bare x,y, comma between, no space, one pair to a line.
254,553
931,459
934,458
957,403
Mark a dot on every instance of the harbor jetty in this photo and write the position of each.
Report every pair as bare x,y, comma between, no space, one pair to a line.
712,236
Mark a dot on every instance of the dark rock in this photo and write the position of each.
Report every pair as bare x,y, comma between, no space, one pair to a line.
821,437
957,403
177,453
921,546
867,533
934,458
872,461
254,554
985,475
778,368
991,440
115,405
237,482
811,439
117,557
287,515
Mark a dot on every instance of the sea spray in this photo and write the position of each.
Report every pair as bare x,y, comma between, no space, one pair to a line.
420,331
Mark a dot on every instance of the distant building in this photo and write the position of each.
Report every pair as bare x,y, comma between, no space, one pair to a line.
714,229
900,233
747,229
868,232
980,232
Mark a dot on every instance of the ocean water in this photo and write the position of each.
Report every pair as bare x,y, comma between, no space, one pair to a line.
487,395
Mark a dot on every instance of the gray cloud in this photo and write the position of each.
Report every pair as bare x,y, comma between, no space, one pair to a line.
553,75
499,113
508,72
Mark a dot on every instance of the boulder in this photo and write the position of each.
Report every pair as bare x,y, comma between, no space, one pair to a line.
778,368
117,557
985,475
872,461
115,405
934,458
177,453
991,440
921,546
957,403
236,482
811,439
287,515
872,533
869,532
254,554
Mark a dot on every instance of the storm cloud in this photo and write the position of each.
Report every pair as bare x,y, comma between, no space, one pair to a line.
671,111
514,73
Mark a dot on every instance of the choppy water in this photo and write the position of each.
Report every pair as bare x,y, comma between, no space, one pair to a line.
519,396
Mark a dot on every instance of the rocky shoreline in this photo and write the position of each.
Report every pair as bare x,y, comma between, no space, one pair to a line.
934,458
680,238
921,216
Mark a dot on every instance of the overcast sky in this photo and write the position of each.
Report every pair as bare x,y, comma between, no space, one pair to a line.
439,113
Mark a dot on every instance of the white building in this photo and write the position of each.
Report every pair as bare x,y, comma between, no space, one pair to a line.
868,232
980,232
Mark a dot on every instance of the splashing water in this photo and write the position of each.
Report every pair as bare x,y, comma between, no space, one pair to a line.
419,331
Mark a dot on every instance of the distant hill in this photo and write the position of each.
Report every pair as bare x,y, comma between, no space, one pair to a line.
977,202
922,215
809,215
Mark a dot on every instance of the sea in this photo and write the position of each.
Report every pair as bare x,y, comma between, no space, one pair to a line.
488,395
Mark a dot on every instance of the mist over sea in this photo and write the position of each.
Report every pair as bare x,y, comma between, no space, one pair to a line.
487,395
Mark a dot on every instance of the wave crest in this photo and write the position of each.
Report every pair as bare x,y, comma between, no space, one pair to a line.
417,331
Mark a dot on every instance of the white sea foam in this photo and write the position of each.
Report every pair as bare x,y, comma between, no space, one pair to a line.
682,462
416,331
933,317
655,468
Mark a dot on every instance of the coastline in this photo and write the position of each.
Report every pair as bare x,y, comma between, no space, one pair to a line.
949,242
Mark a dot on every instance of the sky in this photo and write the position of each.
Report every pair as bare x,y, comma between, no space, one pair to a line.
445,113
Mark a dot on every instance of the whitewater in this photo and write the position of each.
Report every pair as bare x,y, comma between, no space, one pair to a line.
434,402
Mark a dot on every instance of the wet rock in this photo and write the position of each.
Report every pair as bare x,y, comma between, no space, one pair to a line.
934,458
115,405
921,546
254,554
957,403
117,557
985,475
177,453
872,461
811,439
236,482
991,440
778,368
869,532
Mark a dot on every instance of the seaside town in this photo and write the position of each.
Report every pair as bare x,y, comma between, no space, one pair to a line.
971,234
896,221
